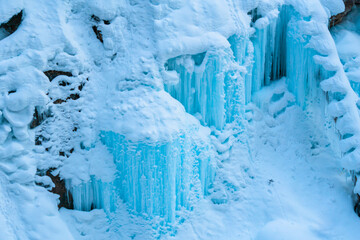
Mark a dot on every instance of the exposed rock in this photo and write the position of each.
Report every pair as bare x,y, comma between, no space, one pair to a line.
59,101
65,197
98,33
13,24
39,117
80,87
95,18
51,74
64,83
349,4
74,96
357,204
40,139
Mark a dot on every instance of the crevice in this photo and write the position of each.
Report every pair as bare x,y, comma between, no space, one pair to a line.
337,96
346,136
277,96
198,58
350,151
254,16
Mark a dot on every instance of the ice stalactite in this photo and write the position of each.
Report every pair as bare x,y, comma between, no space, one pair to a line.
243,51
264,53
165,167
281,49
303,73
159,178
93,194
264,44
315,75
292,45
210,85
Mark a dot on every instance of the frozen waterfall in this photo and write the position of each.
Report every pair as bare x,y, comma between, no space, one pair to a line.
161,177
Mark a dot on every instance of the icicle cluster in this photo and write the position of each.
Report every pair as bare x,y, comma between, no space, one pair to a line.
214,86
210,86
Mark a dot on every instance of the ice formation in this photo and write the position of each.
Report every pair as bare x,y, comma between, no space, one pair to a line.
141,102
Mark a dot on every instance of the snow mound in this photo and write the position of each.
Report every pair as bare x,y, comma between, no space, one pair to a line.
284,230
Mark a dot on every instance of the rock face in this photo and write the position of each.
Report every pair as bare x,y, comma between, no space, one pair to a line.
349,4
12,25
65,197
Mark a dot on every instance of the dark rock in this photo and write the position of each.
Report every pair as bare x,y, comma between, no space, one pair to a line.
51,74
64,83
39,139
65,197
13,24
98,33
81,86
74,96
59,101
95,18
355,196
357,204
39,117
349,4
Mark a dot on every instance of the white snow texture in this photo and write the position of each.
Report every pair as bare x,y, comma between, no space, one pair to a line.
178,119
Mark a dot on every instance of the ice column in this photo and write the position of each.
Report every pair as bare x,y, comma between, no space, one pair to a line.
93,194
303,74
211,86
243,51
159,178
268,50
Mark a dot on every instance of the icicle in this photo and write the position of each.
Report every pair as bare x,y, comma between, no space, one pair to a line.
303,73
269,50
158,179
243,51
93,194
210,85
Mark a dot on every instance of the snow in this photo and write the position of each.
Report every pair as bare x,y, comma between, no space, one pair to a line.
190,120
282,229
288,183
8,9
346,35
334,7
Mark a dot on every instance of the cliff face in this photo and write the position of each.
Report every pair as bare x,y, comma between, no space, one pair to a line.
349,4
